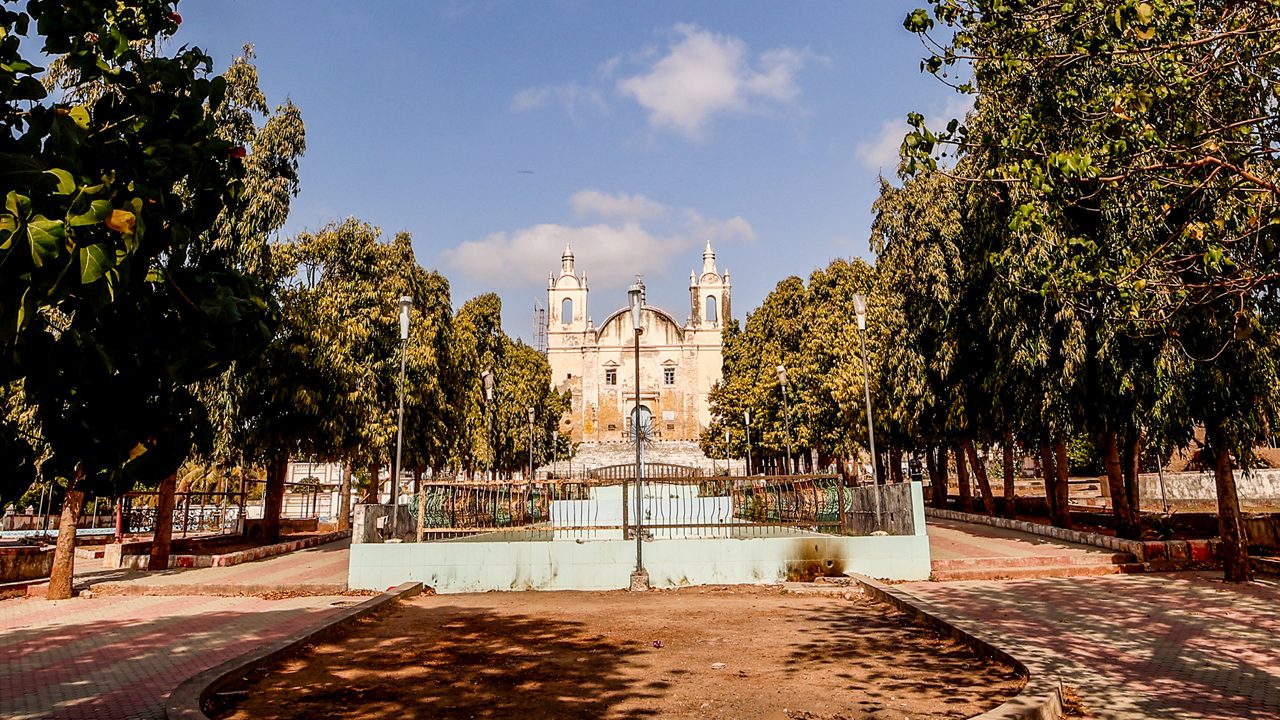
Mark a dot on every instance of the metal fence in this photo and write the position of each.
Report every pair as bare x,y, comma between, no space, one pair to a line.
193,512
218,511
671,507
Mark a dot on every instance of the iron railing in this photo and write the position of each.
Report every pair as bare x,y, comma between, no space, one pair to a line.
671,507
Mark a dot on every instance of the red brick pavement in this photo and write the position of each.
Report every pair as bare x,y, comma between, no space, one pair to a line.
119,657
1181,645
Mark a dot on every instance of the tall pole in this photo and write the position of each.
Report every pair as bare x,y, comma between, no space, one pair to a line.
529,483
636,297
860,306
747,417
786,411
487,379
727,469
406,302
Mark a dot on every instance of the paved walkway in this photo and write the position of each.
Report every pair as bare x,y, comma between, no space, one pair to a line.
1178,645
951,540
319,569
119,657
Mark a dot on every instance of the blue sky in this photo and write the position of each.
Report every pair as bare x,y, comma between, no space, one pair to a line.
495,131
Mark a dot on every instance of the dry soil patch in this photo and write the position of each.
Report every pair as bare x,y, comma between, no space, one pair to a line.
695,653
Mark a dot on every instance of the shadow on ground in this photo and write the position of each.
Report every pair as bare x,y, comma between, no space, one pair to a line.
1169,645
477,664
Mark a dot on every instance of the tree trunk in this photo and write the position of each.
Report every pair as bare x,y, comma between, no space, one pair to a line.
421,491
373,493
163,534
344,497
1049,474
942,484
895,464
1130,466
273,497
1115,486
845,467
1234,550
962,478
980,474
1010,500
1062,499
64,554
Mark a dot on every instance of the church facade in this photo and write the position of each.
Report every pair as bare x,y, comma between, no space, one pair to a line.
679,362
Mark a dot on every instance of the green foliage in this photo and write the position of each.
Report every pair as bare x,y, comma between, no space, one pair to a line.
812,330
112,297
497,435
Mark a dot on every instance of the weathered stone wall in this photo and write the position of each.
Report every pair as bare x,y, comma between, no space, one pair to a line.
372,524
25,562
895,511
1252,485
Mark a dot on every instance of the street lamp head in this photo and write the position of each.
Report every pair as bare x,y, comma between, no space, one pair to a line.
782,375
746,415
406,302
635,300
531,414
487,377
860,308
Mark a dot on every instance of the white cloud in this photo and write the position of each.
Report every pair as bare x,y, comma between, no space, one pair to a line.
611,253
702,229
572,97
880,154
704,74
635,207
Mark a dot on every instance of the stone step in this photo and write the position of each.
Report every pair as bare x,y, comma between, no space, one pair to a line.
1026,573
672,452
1034,561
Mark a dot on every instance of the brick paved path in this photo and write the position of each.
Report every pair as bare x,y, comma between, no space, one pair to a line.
120,657
952,540
1181,645
322,568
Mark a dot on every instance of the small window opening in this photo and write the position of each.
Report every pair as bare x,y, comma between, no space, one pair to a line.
566,311
711,309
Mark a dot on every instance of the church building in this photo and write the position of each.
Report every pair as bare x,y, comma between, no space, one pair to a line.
678,362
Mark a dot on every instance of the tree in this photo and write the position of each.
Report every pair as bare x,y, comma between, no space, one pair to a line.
1138,143
111,303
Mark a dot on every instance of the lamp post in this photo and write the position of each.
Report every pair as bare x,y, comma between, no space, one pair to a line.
727,467
529,482
860,309
746,416
406,303
786,411
487,378
635,296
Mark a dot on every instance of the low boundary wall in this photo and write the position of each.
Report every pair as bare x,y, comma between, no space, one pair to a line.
533,560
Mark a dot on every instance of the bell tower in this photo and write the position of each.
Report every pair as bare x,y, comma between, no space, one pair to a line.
566,298
709,294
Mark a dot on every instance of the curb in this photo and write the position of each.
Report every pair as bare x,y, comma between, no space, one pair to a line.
133,589
1161,554
1041,697
187,701
185,561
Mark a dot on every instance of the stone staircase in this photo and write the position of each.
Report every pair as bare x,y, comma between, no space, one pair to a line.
1014,568
672,452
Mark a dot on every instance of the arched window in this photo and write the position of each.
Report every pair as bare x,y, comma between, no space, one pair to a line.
566,311
711,315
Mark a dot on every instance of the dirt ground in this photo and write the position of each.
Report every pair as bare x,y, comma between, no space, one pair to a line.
724,652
